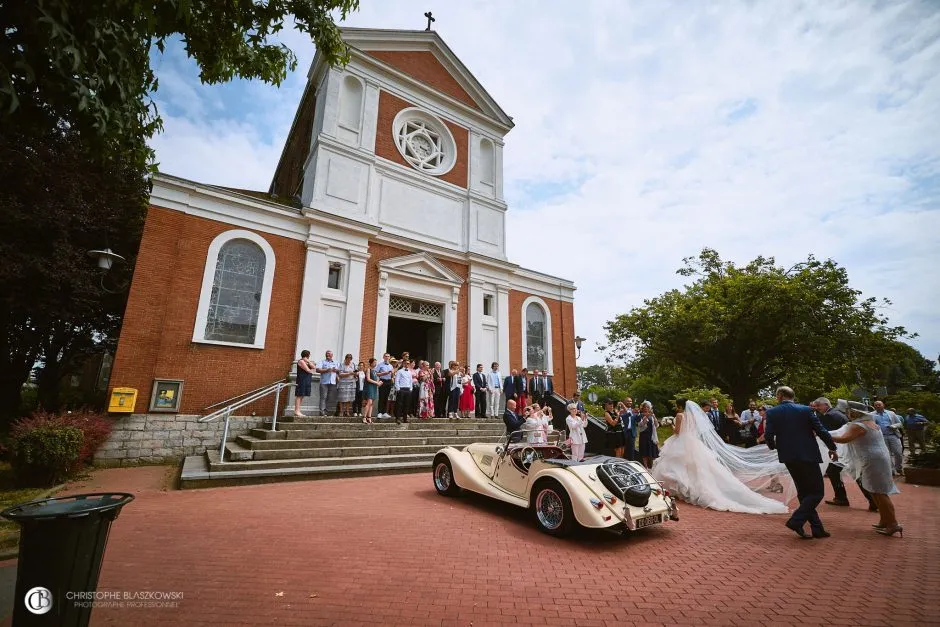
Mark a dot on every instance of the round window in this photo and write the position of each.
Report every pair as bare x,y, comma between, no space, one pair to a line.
424,141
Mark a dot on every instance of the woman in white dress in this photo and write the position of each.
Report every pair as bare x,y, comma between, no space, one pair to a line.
576,423
700,468
534,426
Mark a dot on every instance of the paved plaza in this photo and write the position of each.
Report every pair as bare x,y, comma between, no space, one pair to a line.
389,550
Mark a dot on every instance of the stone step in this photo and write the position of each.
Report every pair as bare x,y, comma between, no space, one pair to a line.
311,462
290,439
195,472
360,434
387,424
351,451
358,420
236,451
297,439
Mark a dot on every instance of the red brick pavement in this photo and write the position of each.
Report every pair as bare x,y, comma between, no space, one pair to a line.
389,550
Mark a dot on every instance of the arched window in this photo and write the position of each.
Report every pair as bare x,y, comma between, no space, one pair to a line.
350,103
487,162
236,291
536,335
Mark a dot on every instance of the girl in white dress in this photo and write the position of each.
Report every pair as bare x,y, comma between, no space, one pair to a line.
535,432
576,423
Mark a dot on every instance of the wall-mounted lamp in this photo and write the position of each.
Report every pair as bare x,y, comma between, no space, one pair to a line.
578,340
106,257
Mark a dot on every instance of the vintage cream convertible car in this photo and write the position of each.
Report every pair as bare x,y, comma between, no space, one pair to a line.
600,492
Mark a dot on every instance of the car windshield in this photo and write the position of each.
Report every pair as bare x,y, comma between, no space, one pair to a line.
534,436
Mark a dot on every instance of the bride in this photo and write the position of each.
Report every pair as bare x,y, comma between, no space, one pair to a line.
701,469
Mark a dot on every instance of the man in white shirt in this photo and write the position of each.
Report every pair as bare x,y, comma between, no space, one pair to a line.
494,391
750,418
327,370
384,372
404,380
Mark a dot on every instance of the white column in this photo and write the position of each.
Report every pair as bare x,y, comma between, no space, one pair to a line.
450,326
381,318
355,293
502,319
315,270
476,353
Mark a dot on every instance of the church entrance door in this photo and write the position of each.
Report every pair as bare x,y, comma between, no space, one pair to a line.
416,327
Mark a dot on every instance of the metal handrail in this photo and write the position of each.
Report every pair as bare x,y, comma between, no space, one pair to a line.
263,387
254,395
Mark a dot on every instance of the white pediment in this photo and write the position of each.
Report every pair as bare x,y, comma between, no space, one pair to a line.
421,265
371,39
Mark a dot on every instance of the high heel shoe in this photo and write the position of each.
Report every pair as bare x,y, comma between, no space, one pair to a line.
890,531
878,526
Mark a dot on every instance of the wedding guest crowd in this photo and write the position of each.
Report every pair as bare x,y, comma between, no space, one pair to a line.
406,389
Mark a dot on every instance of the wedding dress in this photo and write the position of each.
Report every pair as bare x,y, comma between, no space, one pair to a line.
701,469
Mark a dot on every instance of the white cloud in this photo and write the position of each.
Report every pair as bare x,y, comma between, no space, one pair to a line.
646,130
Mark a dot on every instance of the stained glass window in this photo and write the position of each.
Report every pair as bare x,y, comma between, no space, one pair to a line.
535,337
236,293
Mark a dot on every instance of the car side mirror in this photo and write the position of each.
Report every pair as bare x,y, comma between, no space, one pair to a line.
500,450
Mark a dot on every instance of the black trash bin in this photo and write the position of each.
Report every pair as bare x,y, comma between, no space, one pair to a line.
62,543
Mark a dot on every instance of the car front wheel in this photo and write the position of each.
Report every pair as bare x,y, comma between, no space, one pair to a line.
444,477
551,507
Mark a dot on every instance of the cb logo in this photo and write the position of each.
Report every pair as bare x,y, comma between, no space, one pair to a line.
38,600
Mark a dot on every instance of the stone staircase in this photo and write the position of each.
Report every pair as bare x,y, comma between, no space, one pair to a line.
320,447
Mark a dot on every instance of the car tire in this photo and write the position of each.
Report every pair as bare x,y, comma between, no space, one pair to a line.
549,501
444,477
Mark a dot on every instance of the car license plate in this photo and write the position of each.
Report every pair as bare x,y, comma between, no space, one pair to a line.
647,521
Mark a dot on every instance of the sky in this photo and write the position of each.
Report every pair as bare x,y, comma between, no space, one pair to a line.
647,130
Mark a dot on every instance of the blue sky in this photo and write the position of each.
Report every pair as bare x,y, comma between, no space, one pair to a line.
647,130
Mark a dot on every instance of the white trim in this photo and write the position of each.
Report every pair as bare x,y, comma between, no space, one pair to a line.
208,276
548,333
448,144
226,206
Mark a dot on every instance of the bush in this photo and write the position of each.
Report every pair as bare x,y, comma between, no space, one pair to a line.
44,454
93,428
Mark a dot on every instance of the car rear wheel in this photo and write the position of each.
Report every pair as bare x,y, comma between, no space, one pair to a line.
444,477
551,507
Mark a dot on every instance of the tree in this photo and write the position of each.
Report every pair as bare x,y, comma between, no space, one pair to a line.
745,329
76,111
593,376
55,305
88,63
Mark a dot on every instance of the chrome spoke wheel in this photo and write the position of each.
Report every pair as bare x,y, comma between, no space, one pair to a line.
442,477
549,509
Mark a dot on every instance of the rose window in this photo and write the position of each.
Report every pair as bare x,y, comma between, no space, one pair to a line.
424,141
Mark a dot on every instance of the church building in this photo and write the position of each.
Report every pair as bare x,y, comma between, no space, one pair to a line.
383,230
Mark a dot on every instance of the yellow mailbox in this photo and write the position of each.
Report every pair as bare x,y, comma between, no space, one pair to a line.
122,400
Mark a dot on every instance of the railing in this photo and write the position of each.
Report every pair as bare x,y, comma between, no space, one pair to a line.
246,399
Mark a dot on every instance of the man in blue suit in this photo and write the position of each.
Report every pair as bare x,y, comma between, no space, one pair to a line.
511,419
791,430
509,386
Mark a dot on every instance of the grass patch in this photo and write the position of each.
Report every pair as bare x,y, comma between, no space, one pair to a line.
9,496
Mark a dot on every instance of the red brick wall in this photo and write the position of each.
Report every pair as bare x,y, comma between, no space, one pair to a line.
389,106
424,67
156,337
379,252
563,349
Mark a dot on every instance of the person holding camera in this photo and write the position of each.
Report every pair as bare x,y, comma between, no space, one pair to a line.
615,439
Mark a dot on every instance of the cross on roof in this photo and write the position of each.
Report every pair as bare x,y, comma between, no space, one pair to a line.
430,19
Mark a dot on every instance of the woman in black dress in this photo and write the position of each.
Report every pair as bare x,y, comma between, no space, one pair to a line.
304,381
615,439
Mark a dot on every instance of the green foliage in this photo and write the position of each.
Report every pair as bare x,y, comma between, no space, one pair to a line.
925,403
701,395
44,455
843,391
749,328
56,306
591,376
88,63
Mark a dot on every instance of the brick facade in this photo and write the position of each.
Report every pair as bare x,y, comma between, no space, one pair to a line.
389,106
563,349
424,67
156,336
380,252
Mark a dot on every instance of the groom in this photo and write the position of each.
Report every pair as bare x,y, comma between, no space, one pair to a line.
791,429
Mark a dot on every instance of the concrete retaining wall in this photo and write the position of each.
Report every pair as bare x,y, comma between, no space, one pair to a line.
160,438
